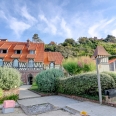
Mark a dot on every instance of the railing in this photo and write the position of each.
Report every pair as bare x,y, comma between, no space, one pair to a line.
28,68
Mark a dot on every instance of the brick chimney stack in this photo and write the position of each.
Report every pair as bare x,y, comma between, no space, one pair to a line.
28,42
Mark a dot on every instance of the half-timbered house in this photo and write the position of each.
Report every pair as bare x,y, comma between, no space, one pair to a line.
28,57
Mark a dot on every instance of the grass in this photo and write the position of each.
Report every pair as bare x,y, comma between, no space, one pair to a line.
11,97
34,87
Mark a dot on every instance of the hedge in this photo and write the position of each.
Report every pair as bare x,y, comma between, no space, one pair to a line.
112,74
85,84
46,80
9,78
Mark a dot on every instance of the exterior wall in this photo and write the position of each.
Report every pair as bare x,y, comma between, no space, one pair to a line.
111,66
25,74
103,67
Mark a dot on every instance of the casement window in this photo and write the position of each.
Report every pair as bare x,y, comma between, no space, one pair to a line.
52,65
15,63
32,51
3,51
1,62
18,51
31,63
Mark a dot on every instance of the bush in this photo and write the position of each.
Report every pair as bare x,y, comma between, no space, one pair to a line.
85,84
112,74
9,78
46,80
79,65
11,97
1,92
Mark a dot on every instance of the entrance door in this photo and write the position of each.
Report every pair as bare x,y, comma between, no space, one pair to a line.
30,79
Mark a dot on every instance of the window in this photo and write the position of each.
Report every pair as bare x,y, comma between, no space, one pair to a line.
1,62
51,65
32,52
3,51
15,63
18,52
30,63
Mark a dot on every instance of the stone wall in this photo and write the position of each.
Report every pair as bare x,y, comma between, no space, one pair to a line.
25,74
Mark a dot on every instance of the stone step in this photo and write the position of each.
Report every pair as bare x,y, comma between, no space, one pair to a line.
70,110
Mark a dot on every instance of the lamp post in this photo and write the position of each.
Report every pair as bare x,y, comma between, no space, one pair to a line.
98,77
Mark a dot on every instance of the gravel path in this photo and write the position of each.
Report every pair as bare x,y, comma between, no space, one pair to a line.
19,112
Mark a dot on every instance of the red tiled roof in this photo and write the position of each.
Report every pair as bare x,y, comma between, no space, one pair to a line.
2,55
16,56
39,56
112,60
31,56
18,47
5,46
53,57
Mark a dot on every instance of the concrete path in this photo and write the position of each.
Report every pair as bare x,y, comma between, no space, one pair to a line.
93,109
25,93
57,101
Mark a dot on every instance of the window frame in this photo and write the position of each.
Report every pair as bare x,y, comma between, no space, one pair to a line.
32,52
18,50
52,66
30,62
2,62
13,63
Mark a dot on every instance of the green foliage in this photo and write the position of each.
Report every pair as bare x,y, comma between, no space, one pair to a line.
112,74
79,65
1,92
46,80
85,84
84,47
11,97
9,78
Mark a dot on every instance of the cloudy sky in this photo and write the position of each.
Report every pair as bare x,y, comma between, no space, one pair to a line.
56,20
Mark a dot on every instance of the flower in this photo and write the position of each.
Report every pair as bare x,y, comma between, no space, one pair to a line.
83,113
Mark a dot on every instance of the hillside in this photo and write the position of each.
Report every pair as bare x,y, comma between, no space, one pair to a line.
83,47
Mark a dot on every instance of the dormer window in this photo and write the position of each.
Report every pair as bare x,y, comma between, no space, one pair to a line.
52,65
18,51
3,51
32,51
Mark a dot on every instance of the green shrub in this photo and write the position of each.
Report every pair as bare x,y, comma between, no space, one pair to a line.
79,65
46,80
1,92
112,74
11,97
9,78
85,84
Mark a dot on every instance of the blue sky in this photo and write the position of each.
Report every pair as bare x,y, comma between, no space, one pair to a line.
56,20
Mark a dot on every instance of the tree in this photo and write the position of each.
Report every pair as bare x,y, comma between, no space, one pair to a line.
35,38
110,38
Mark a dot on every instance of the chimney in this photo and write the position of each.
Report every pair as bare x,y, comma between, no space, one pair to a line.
28,42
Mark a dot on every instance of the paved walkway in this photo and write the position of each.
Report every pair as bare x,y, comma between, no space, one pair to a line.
25,93
93,109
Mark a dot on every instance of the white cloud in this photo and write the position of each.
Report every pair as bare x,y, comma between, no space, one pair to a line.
26,14
103,26
18,26
66,29
113,32
50,26
2,15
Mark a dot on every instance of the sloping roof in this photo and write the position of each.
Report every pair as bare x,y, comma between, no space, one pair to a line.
18,47
53,57
112,60
100,51
39,56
